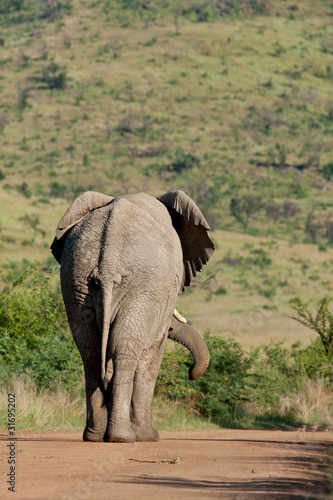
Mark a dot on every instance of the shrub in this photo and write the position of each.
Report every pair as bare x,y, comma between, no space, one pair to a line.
244,208
54,76
282,154
58,189
329,229
290,209
224,387
219,392
287,209
24,189
262,258
210,11
7,6
3,123
313,226
328,171
273,210
23,98
34,336
53,8
85,160
322,323
183,161
240,389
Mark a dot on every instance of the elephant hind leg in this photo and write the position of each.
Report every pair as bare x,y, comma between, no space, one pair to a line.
119,396
95,398
96,412
143,391
86,337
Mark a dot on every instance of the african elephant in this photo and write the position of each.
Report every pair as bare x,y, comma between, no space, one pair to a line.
124,261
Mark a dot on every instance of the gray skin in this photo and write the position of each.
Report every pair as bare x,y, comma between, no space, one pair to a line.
123,262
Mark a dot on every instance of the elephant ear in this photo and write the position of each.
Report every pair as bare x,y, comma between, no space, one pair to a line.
81,206
192,229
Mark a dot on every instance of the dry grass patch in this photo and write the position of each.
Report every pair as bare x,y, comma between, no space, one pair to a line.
41,410
313,404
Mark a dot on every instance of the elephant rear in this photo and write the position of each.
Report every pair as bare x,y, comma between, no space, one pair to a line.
123,263
130,258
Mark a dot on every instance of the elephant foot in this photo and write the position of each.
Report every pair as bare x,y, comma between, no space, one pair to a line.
92,436
146,433
119,435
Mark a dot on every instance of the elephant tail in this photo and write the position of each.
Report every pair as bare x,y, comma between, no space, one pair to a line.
186,335
107,313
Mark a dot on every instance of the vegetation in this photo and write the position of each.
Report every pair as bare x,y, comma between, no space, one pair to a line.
322,323
272,385
229,101
262,388
243,208
34,335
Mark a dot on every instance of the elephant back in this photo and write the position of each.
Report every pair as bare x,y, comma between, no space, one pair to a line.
81,206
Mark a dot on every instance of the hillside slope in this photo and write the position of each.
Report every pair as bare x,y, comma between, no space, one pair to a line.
226,103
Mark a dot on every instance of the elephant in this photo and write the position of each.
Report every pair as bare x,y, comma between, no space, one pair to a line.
123,262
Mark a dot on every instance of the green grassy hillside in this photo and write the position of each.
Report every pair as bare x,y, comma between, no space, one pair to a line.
225,100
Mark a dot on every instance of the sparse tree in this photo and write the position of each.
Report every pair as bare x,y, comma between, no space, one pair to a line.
54,76
52,8
33,221
244,208
329,229
3,122
322,323
312,226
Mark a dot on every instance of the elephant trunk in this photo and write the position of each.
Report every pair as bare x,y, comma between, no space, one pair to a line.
189,338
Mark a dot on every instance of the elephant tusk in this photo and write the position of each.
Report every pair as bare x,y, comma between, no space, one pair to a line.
178,316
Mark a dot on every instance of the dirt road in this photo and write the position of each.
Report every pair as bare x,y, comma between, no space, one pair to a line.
227,464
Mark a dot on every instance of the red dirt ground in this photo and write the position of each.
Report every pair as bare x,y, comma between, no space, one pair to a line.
231,464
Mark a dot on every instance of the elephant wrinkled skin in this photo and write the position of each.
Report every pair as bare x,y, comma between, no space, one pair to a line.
123,262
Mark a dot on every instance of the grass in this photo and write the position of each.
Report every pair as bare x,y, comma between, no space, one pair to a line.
41,410
170,416
56,410
312,406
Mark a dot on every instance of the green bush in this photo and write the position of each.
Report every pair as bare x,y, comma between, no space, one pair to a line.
24,189
183,161
224,387
219,393
55,76
34,334
239,389
58,189
7,6
328,171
